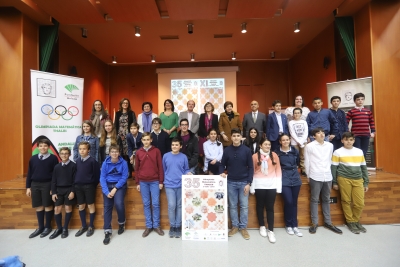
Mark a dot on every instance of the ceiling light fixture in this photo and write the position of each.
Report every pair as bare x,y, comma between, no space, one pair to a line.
273,54
233,56
137,31
190,28
153,58
244,27
297,27
84,32
114,59
192,57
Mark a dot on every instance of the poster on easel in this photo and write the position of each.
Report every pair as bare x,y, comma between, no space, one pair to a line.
56,110
346,90
204,208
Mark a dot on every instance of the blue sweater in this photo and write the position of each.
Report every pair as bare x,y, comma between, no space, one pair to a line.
87,172
325,119
113,173
340,116
289,162
239,163
174,165
40,170
161,141
94,147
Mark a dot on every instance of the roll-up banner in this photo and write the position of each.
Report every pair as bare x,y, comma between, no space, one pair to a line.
56,110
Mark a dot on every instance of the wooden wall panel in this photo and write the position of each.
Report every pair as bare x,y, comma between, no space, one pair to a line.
362,35
308,76
385,36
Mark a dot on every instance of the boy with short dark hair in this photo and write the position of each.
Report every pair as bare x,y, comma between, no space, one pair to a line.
237,159
175,164
38,186
149,178
317,156
362,123
190,145
63,190
277,125
350,176
340,116
323,118
86,180
160,139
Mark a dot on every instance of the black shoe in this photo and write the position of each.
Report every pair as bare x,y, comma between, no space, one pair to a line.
90,231
121,229
313,228
172,231
36,233
64,233
107,239
81,231
178,232
303,173
333,228
56,233
45,232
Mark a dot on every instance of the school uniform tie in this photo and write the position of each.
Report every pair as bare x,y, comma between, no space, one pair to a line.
41,157
81,159
254,117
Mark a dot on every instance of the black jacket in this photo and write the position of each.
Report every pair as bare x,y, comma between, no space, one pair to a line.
202,126
190,148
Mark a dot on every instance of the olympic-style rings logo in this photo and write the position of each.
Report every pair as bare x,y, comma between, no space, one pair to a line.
59,111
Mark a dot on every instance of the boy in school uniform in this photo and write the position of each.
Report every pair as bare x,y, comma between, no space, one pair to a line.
134,140
38,186
340,116
237,159
317,163
321,118
86,180
277,125
149,178
175,164
350,176
160,139
63,190
362,123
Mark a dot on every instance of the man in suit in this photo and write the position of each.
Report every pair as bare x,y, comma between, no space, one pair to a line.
191,116
254,119
277,125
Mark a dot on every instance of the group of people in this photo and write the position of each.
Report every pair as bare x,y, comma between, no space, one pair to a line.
259,155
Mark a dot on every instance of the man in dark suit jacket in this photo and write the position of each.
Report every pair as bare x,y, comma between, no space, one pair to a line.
254,119
192,117
277,125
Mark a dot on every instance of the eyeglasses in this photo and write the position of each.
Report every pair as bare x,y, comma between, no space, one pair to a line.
114,152
184,124
155,123
64,154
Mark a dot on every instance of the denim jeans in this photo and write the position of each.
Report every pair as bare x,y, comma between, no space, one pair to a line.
174,198
236,197
118,201
362,142
150,192
290,195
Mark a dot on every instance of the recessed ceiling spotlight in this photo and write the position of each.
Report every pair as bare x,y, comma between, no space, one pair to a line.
233,56
297,27
190,28
114,59
273,54
137,31
84,32
153,58
192,57
244,27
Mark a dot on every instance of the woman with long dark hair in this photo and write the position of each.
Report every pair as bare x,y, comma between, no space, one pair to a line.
98,117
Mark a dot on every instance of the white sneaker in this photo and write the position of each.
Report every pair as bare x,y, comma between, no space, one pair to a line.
297,232
289,230
263,231
271,237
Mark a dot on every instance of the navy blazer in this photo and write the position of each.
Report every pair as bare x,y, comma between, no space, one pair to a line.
131,143
273,127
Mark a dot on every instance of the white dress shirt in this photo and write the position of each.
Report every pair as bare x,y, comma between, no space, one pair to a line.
190,114
317,161
279,119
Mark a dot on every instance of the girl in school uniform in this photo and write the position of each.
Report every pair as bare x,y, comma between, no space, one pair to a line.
267,181
289,160
213,151
89,136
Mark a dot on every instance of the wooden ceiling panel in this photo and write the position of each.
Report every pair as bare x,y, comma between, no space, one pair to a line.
253,8
192,9
310,8
130,11
71,11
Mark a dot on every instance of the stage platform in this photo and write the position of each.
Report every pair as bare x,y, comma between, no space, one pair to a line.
382,206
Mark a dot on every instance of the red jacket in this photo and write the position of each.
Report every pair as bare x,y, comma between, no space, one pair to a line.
148,166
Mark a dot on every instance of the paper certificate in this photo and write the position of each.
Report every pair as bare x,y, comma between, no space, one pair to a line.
204,208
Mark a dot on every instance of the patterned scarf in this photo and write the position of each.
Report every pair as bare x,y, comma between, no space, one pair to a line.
146,121
264,162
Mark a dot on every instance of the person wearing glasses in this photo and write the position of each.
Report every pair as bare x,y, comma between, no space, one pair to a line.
190,146
160,139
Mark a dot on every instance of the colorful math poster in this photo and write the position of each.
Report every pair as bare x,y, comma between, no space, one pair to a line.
204,208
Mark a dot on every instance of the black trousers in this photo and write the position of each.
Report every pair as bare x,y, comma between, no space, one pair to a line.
265,198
